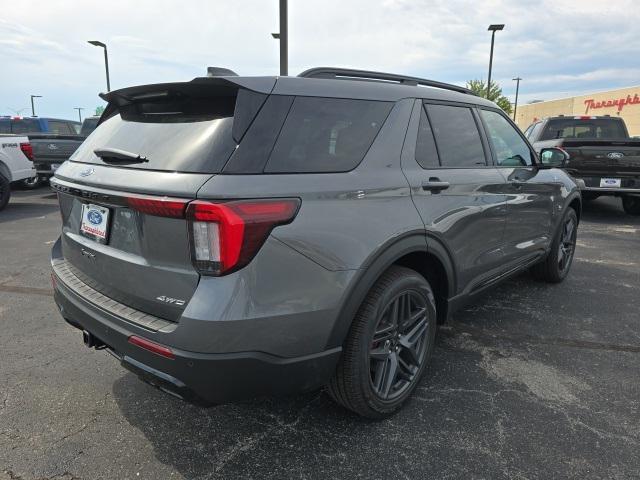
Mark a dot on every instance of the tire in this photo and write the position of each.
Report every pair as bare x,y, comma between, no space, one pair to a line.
382,360
31,183
5,192
556,266
631,204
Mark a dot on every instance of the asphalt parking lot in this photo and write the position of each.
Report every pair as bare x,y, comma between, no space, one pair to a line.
536,381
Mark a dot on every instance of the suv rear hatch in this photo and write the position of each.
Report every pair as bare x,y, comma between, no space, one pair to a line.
124,193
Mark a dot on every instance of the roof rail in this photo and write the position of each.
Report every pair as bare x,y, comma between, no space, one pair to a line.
350,74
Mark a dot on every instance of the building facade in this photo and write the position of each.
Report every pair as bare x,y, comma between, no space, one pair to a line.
623,102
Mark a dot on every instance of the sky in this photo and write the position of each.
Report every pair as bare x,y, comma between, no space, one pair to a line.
558,47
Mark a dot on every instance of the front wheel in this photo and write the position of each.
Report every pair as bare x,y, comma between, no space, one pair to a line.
556,266
388,347
631,204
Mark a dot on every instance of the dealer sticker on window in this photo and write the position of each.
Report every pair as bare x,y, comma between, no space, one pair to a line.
94,221
610,182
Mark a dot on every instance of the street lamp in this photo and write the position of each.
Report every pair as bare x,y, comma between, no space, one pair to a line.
283,36
493,29
515,106
96,43
33,110
79,114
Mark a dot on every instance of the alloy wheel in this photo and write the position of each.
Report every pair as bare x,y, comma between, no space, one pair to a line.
399,345
567,244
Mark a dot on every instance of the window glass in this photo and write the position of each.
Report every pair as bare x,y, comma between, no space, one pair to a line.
24,125
584,128
59,128
326,134
426,152
456,135
528,131
509,147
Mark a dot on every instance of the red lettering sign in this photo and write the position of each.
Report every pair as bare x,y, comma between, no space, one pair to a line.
618,102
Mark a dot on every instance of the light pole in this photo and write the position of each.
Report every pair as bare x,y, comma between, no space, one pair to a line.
79,114
283,36
33,109
493,29
515,106
96,43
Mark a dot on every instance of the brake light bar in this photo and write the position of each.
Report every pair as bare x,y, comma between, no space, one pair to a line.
27,149
226,236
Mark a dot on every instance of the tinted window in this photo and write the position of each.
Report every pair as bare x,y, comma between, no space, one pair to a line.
326,134
426,152
508,146
587,128
202,146
59,128
456,135
89,125
24,125
527,132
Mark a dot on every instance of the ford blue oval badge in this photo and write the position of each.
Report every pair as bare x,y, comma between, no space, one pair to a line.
86,172
94,217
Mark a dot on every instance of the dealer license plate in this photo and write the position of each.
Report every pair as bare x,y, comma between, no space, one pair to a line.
95,222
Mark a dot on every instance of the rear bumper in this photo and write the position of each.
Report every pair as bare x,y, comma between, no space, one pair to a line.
197,377
628,184
203,379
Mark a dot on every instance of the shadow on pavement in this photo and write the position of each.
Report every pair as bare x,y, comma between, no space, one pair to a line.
22,210
607,210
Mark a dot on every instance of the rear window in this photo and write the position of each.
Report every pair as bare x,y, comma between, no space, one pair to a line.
88,126
587,128
177,133
326,135
19,125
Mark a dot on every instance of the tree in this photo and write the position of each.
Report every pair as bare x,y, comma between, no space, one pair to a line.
479,87
99,110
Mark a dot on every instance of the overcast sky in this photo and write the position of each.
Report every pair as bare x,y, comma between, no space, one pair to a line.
559,47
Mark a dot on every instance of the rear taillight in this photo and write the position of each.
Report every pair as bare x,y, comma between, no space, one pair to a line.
27,149
159,206
226,236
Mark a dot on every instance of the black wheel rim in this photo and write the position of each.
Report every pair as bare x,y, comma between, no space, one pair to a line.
567,244
399,345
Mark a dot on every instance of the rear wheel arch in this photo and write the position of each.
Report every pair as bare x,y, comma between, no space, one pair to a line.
410,251
576,204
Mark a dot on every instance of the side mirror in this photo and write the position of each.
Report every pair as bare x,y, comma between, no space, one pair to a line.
553,157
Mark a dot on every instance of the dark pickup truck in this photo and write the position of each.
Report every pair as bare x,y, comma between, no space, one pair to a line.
600,152
53,141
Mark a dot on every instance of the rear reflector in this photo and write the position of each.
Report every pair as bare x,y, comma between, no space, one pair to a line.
226,236
153,347
27,149
159,206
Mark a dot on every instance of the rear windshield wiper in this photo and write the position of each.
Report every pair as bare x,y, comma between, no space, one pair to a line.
115,155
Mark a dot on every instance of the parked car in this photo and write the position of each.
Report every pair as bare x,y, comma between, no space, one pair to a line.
232,236
89,124
53,141
601,154
16,164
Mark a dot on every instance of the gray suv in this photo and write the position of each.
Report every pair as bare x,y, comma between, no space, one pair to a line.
234,236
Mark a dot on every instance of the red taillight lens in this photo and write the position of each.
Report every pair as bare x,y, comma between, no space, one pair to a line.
226,236
152,346
27,149
159,206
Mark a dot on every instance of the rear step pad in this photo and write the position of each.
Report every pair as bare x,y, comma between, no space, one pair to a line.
63,270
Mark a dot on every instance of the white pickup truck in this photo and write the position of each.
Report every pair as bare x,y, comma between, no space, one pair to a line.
16,163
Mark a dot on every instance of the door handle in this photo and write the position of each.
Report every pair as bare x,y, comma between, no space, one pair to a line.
434,185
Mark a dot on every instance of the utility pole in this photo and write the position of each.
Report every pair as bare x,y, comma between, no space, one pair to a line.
33,108
493,28
283,36
515,106
79,114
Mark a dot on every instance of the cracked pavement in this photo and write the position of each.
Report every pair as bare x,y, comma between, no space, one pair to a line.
533,381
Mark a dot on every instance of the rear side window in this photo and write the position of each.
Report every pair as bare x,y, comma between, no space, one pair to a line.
426,152
326,135
456,135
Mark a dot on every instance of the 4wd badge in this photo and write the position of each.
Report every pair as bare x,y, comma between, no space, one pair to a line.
171,301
